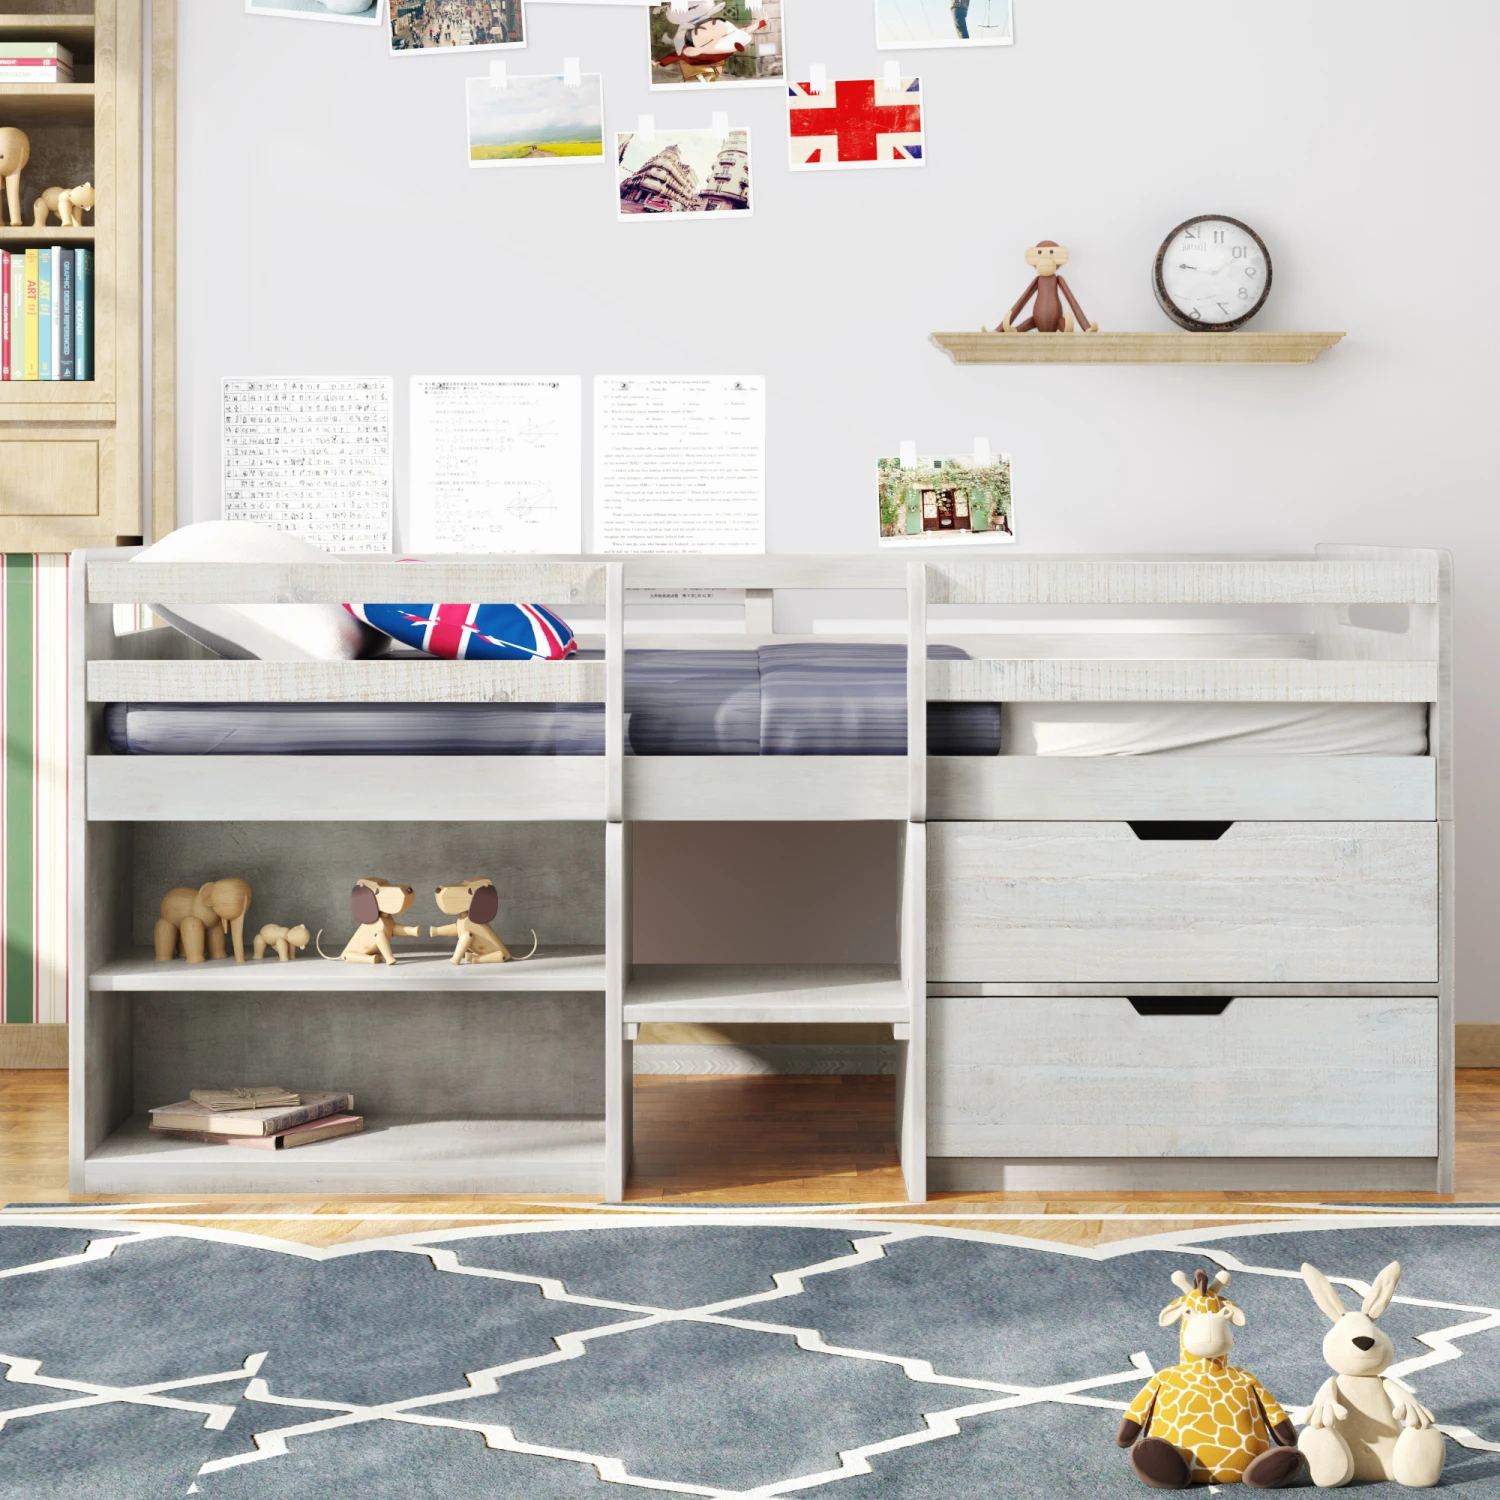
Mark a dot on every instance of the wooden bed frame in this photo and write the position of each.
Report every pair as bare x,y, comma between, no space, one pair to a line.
1084,998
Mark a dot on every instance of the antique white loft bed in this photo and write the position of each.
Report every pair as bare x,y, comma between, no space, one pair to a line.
1132,971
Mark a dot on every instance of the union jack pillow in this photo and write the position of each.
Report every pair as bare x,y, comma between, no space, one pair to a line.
473,632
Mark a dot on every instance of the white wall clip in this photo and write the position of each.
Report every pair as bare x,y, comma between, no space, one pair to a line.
817,78
983,457
721,124
498,79
908,454
892,76
645,128
572,74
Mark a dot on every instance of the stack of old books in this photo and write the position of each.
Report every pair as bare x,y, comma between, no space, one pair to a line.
270,1119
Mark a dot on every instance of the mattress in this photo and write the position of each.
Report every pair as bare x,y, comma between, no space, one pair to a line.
794,699
1206,729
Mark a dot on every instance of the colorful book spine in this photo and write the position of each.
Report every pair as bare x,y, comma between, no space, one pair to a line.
44,315
33,271
67,306
57,322
5,318
83,315
18,316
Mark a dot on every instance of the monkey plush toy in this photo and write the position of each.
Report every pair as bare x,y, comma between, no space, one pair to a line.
1047,258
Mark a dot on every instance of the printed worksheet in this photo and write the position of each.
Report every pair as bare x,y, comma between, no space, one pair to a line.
310,455
679,463
496,463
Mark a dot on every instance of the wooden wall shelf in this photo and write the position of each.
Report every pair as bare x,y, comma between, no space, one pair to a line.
1135,348
27,104
51,234
75,30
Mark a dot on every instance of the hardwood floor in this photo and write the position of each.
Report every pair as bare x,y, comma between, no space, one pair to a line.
750,1141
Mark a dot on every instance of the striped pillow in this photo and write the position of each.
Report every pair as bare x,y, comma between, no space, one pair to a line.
473,632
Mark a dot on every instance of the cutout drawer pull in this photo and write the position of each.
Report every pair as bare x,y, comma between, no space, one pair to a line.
1203,833
1181,1005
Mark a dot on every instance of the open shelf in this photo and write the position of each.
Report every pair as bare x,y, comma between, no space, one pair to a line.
50,234
767,993
394,1154
27,104
1135,348
566,968
73,31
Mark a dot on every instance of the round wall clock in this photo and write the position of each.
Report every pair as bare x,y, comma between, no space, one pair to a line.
1213,274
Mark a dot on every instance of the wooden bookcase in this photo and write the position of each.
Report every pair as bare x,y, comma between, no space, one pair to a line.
70,459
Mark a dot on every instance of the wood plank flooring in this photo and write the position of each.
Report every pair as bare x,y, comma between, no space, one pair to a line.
750,1141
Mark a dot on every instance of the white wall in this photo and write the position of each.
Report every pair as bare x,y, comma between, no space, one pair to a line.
329,222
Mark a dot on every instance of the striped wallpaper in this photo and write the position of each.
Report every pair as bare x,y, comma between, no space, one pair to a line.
34,788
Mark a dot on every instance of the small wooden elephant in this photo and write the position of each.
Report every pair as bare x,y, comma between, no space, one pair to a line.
67,203
15,152
476,903
286,942
189,918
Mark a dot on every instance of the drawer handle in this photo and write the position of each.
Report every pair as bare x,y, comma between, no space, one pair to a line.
1182,832
1181,1005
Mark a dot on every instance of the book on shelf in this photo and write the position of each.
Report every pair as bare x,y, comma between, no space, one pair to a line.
330,1128
35,62
186,1115
50,322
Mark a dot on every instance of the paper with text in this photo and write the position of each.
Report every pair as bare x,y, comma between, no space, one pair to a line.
310,456
680,463
496,463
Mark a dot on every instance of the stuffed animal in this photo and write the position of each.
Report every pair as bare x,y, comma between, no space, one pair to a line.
1360,1426
1204,1421
373,903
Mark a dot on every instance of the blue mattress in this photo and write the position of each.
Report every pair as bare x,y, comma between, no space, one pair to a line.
779,700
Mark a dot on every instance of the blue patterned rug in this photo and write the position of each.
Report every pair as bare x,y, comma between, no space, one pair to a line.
693,1354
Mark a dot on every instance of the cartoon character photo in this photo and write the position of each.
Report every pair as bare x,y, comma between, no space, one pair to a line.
706,39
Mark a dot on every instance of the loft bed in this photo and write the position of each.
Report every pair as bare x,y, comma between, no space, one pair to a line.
1195,844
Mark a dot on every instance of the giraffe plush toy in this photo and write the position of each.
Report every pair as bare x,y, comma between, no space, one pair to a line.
1203,1421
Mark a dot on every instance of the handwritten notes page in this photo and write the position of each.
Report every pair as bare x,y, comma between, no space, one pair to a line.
496,464
311,456
679,463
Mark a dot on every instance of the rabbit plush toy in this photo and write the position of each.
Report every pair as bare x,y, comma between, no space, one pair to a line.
1359,1426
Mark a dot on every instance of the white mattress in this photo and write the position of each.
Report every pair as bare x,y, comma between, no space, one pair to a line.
1213,729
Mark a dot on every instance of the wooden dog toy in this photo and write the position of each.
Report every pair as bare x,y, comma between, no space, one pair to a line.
374,904
475,903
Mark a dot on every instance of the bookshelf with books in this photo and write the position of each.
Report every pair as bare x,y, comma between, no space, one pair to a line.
70,296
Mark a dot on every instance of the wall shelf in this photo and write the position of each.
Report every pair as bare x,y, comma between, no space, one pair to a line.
74,31
51,234
767,993
1175,348
26,104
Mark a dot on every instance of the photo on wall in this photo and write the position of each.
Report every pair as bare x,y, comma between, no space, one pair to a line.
947,500
905,24
855,122
439,26
722,43
538,121
357,12
681,172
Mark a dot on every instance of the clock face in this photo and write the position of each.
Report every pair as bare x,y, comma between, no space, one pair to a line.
1212,273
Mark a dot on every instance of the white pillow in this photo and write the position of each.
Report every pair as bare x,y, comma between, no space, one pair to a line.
260,632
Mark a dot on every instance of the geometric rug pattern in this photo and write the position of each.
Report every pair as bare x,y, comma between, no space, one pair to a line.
716,1355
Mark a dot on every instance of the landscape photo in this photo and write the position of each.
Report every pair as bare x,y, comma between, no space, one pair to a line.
437,26
534,121
676,173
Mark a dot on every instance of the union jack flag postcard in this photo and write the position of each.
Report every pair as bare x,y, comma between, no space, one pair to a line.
856,122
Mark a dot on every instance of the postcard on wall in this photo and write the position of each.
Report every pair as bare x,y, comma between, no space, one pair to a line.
946,500
855,122
358,12
682,172
904,24
722,43
496,463
310,456
441,26
540,121
680,463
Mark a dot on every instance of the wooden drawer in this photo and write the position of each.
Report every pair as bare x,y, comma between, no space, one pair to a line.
1265,903
56,477
1274,1076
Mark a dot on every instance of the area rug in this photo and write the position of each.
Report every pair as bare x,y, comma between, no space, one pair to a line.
717,1354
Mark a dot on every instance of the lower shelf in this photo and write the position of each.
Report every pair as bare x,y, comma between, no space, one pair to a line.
767,993
394,1154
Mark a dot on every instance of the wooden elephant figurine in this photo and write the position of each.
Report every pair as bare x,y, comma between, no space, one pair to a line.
190,917
15,152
